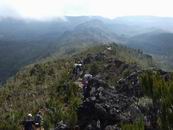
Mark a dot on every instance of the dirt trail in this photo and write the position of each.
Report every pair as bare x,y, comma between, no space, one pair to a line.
78,82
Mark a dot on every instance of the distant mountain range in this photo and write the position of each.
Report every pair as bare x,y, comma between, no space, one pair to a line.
25,41
154,42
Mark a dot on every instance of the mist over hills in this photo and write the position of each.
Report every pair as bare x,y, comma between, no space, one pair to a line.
127,88
30,40
160,41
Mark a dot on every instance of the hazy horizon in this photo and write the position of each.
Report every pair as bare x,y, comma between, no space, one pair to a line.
48,9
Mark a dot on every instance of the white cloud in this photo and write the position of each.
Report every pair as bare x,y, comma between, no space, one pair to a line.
108,8
112,8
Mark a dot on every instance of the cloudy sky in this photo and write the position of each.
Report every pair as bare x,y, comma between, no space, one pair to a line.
39,9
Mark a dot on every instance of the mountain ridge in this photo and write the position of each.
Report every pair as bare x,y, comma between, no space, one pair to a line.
51,36
50,86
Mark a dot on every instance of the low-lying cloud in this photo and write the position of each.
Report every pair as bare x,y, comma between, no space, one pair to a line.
39,9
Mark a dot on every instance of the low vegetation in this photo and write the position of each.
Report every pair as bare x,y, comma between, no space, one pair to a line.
160,88
47,86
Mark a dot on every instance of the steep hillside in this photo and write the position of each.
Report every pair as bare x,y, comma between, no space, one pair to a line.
154,42
14,55
48,86
157,43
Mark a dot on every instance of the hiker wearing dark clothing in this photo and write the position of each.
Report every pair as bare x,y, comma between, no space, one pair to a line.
38,121
28,123
86,87
77,69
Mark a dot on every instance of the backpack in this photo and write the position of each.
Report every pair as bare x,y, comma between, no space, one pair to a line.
37,120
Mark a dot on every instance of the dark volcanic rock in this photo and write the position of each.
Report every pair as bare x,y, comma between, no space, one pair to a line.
62,126
122,102
108,105
130,85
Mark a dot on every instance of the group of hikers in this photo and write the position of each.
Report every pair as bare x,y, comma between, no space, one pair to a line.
77,72
33,123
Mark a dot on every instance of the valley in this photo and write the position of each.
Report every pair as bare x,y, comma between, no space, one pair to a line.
29,40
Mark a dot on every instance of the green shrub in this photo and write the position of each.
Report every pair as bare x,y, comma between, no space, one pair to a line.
160,91
135,126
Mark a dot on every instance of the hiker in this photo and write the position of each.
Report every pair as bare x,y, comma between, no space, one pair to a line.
28,123
38,121
85,85
86,88
77,69
86,79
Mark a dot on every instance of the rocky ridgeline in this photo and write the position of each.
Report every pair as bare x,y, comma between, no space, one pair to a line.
111,106
107,107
